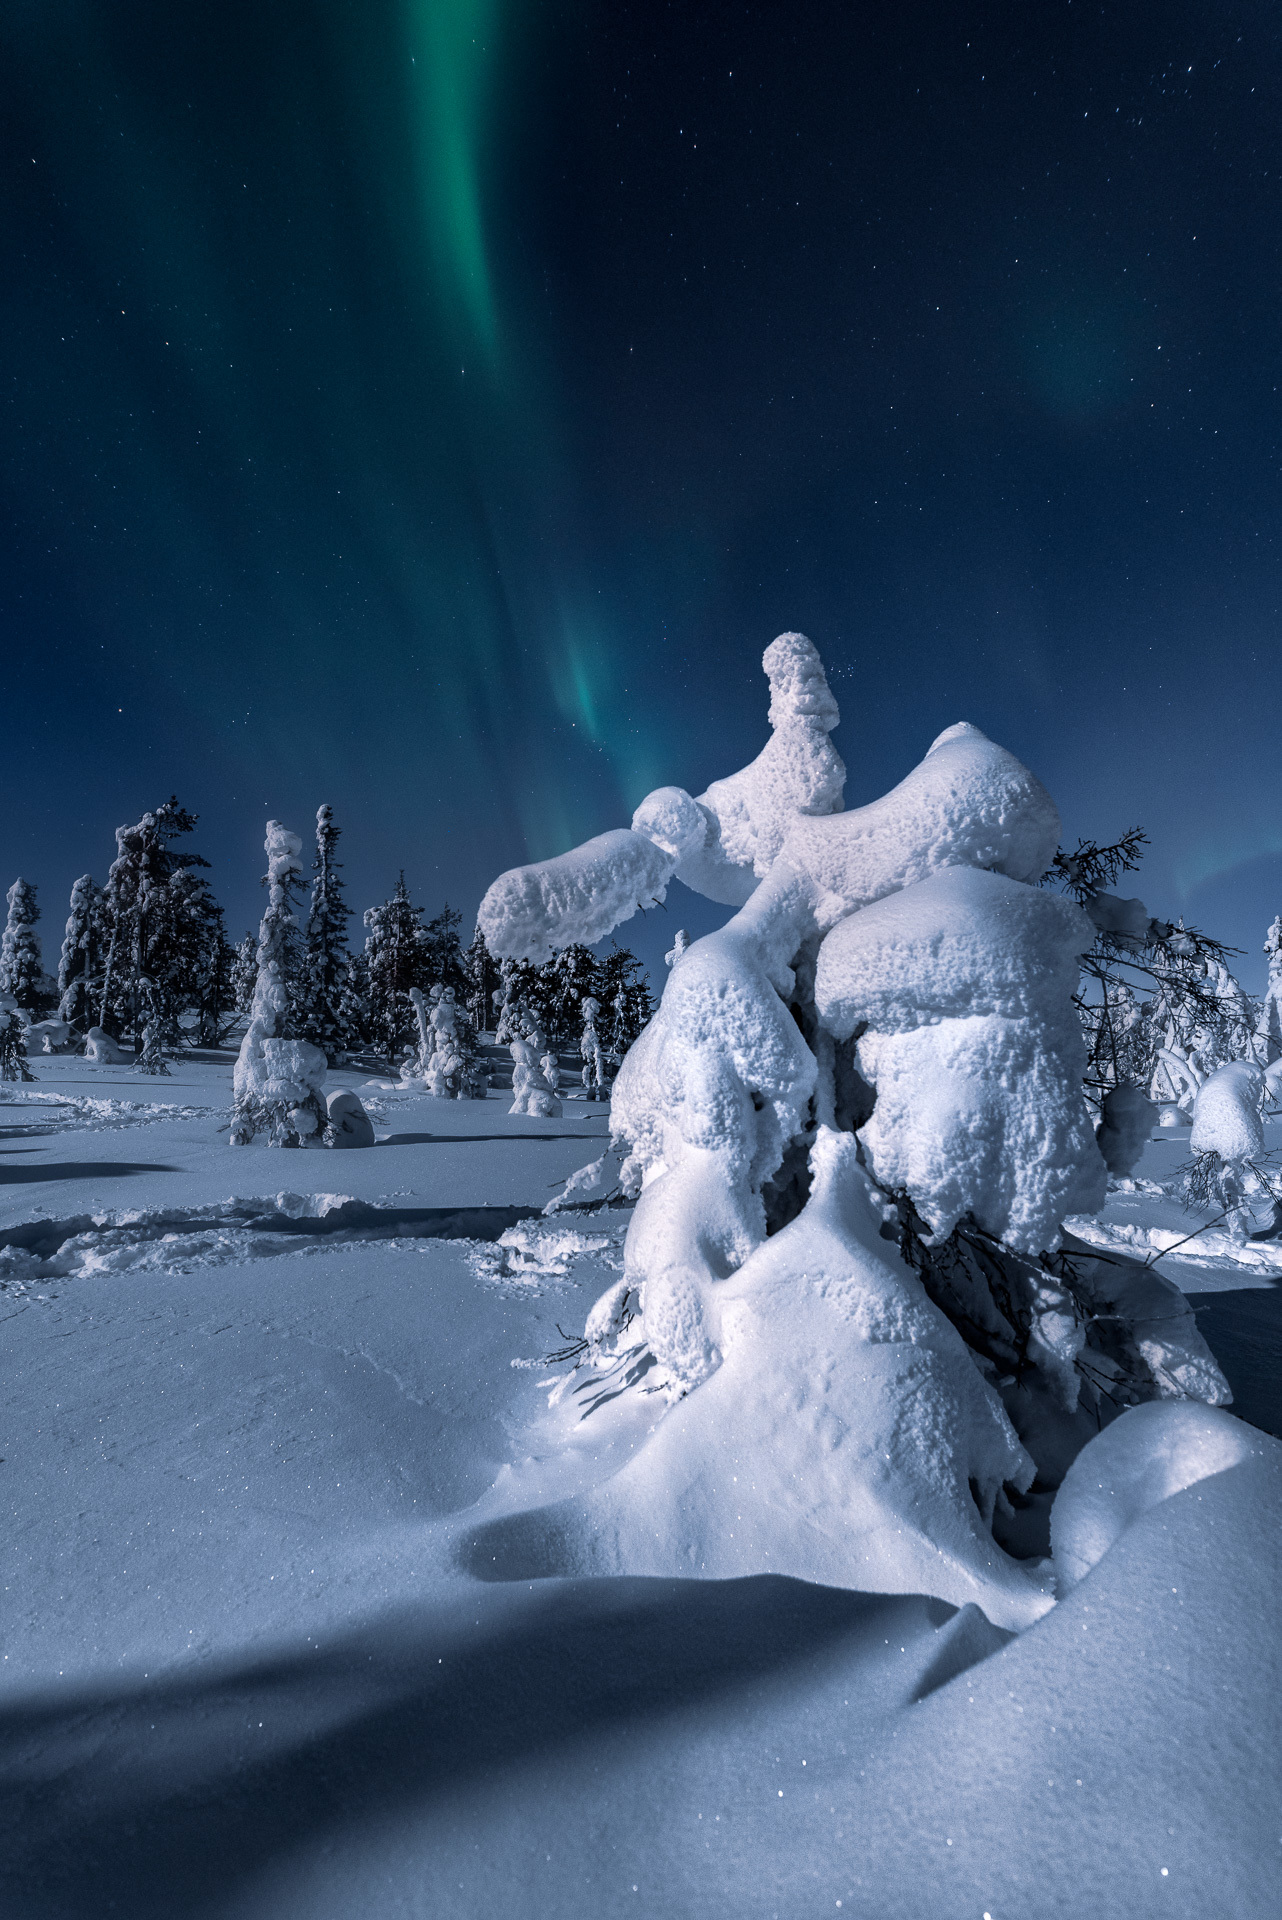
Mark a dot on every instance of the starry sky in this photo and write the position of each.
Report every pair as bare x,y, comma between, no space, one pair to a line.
433,407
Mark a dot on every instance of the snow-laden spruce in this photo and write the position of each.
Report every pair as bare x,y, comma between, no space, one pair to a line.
894,973
279,1078
21,972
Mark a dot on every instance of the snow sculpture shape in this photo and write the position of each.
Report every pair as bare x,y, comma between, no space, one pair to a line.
891,972
102,1049
1149,1454
531,1093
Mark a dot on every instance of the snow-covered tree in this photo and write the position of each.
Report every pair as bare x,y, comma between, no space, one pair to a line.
214,989
863,1098
1195,1016
245,973
162,923
1268,1030
517,998
13,1042
482,973
21,972
627,1004
564,982
330,1013
397,957
279,1076
443,952
81,960
531,1094
595,1078
447,1053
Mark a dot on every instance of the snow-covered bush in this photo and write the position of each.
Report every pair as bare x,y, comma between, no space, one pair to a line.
878,1055
1227,1143
103,1049
279,1078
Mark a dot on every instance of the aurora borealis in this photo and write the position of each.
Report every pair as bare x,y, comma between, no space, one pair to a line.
434,406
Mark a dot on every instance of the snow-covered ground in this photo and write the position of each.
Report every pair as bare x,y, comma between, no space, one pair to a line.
259,1408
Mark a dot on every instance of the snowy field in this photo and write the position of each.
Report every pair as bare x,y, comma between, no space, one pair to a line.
260,1408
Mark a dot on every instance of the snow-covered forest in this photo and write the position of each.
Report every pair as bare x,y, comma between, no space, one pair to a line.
803,1440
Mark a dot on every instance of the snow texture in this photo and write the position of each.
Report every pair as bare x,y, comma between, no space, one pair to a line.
1143,1458
961,986
576,898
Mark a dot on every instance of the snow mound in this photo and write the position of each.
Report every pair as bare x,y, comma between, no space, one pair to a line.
1143,1458
349,1124
846,1437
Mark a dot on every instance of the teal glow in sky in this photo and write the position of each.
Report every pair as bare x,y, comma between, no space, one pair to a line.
434,407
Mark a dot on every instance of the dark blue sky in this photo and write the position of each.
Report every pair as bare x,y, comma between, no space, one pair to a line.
434,408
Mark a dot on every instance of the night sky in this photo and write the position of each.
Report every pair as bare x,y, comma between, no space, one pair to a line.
433,407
